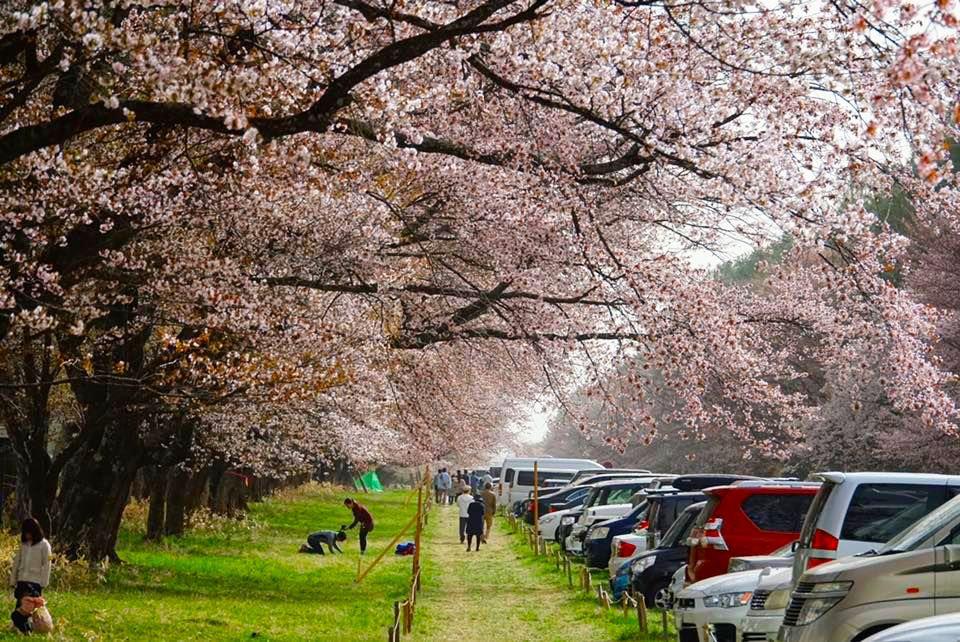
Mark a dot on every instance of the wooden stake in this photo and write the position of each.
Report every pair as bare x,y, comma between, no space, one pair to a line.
536,501
642,614
395,630
418,532
569,569
663,623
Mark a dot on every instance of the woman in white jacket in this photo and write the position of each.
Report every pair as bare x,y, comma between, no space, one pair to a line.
30,572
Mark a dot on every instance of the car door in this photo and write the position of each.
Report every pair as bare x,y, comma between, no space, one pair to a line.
947,582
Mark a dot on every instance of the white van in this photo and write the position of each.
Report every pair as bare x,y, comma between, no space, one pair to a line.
516,478
853,513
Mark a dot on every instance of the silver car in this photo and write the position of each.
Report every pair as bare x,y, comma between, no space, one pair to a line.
914,575
769,601
942,628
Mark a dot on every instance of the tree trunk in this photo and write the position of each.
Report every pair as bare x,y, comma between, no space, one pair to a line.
94,491
176,501
156,482
198,490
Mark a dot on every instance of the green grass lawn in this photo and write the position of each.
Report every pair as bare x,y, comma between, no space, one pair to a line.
585,606
236,581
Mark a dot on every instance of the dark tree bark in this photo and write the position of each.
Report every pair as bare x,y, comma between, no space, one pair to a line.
156,482
177,486
198,490
95,490
26,414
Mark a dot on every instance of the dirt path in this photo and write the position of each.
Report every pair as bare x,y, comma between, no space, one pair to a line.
491,595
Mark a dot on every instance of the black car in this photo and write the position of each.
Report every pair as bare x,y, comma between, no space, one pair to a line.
707,480
650,573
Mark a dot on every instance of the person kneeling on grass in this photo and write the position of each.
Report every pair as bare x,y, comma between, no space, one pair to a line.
30,572
315,542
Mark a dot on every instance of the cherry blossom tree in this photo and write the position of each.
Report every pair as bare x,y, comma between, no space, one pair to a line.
384,229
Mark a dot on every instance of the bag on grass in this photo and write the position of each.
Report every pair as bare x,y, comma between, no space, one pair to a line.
406,548
41,620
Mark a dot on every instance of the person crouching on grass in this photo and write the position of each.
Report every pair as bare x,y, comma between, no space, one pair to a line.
30,572
315,542
360,516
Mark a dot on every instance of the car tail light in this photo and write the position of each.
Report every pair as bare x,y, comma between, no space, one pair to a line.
712,538
625,549
823,548
642,525
552,509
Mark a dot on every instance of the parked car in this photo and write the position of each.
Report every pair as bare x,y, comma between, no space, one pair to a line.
626,547
767,606
914,575
650,573
518,474
596,541
562,495
696,482
567,524
746,518
717,605
606,500
940,628
593,472
855,512
780,558
661,509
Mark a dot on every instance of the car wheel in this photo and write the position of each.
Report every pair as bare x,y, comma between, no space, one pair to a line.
658,597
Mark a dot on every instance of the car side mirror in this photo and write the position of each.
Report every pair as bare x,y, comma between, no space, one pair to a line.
795,546
951,556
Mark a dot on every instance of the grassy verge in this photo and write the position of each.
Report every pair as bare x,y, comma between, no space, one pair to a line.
228,580
584,605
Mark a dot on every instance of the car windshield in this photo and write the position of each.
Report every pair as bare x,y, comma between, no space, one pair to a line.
921,531
679,530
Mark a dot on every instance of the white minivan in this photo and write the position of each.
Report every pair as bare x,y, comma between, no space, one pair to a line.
516,474
853,513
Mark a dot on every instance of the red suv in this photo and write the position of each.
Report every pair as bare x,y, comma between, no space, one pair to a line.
746,518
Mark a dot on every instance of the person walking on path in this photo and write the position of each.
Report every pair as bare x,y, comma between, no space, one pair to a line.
464,499
445,487
315,542
474,480
475,513
438,486
30,572
489,509
360,516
